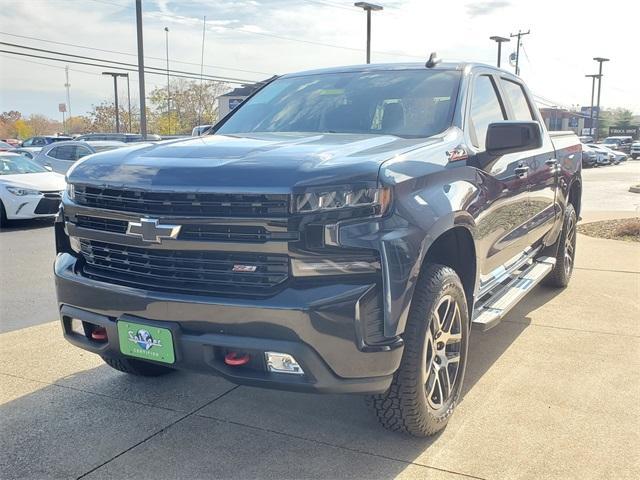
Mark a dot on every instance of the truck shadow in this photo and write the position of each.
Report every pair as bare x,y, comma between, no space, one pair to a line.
97,415
33,224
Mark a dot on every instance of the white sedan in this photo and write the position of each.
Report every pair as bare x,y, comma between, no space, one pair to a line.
27,190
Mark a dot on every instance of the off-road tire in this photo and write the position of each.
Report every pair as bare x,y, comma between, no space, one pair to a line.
136,367
404,407
561,274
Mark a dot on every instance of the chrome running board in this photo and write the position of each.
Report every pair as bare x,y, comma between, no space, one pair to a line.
490,311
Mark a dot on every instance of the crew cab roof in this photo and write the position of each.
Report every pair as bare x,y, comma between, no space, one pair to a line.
460,66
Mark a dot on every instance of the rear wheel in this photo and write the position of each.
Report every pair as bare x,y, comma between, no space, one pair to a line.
566,247
428,384
136,367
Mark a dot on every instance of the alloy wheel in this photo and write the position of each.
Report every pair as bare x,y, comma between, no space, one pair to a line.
570,246
443,352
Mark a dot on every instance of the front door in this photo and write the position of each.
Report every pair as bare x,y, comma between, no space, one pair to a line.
542,166
503,213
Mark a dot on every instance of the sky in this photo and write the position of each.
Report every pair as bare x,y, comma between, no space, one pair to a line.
251,40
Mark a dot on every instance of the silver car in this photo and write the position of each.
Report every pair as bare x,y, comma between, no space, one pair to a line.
60,156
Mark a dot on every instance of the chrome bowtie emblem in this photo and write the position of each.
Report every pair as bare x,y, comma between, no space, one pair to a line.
151,231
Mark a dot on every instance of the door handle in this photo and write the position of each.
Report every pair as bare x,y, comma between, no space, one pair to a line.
522,170
552,162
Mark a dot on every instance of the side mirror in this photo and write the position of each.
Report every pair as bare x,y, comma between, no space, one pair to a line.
511,137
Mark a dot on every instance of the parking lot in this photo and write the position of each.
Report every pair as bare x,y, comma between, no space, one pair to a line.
551,392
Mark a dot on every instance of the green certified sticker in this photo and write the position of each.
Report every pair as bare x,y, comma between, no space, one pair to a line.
145,341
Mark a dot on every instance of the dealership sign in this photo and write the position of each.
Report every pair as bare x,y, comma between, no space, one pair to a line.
619,131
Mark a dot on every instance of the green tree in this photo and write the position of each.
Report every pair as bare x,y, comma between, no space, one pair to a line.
621,117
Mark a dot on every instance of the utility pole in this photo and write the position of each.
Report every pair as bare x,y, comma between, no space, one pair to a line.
204,29
368,7
166,31
115,76
600,61
67,86
499,41
143,103
520,34
129,101
593,88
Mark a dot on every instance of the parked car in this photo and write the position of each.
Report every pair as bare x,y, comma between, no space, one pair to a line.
586,139
34,144
119,137
589,156
199,130
60,156
619,142
635,150
607,157
14,142
4,146
618,156
27,190
354,223
26,152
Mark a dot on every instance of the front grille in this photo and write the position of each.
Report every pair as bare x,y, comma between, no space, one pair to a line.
193,272
178,203
195,232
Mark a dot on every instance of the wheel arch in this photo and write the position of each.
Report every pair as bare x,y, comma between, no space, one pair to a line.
455,248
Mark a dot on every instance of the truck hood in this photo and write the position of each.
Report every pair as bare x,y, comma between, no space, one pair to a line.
253,162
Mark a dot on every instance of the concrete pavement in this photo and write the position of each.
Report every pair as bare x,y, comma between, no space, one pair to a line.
552,392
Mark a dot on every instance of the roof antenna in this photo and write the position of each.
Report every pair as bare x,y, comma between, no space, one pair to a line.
433,60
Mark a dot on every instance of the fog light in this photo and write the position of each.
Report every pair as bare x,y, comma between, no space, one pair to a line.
76,326
282,363
74,242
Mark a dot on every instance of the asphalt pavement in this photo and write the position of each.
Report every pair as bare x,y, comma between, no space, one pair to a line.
551,392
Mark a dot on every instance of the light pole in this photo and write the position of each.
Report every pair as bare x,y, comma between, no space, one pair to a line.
143,106
115,76
166,31
593,89
600,60
499,41
368,7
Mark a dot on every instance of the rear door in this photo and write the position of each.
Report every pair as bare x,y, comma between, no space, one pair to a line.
502,221
61,157
542,165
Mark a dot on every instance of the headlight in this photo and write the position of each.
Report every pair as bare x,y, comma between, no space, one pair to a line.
345,197
71,191
21,192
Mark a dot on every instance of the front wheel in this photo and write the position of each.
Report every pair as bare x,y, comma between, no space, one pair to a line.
427,386
566,247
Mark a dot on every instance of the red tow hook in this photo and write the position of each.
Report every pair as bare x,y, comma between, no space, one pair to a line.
235,359
99,334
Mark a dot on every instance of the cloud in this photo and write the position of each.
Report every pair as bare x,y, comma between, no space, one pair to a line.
478,9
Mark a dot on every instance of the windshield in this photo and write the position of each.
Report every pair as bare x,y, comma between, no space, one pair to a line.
406,103
12,165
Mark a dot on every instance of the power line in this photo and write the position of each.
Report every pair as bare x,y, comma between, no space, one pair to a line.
127,69
121,65
129,54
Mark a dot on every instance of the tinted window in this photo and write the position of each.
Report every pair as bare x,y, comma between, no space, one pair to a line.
27,143
38,142
63,152
485,109
406,103
518,100
82,152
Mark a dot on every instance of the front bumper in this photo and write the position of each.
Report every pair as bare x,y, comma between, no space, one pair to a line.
319,325
30,206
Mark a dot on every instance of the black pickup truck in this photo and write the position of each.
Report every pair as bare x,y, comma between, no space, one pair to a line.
340,231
